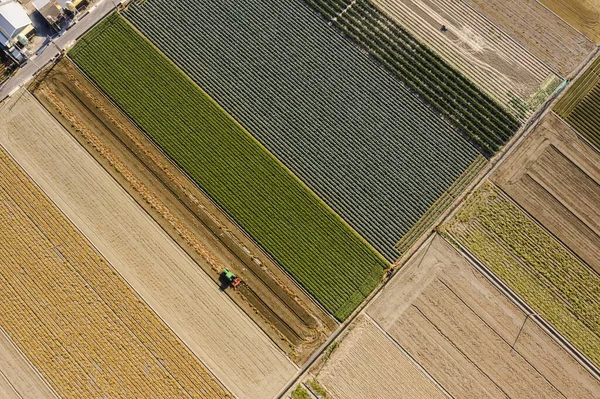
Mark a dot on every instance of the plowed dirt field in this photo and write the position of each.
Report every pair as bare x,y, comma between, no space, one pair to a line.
208,322
470,337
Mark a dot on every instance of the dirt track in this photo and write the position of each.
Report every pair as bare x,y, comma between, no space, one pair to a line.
216,330
462,330
555,176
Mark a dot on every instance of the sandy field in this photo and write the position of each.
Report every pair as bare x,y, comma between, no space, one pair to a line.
476,48
267,295
555,176
18,378
240,355
539,30
367,365
469,336
583,15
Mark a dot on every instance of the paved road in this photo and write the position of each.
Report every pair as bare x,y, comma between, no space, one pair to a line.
66,40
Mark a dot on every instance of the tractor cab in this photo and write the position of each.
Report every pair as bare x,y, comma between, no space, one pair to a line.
231,278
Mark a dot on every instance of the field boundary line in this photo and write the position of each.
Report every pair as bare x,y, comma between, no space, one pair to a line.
24,357
418,365
304,369
523,306
92,245
513,40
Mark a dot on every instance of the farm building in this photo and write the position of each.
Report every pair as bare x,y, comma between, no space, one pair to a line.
15,25
51,10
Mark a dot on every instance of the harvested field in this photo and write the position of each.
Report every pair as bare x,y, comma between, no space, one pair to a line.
469,336
541,270
367,364
272,299
584,15
80,324
348,129
18,377
306,237
555,176
539,30
478,50
580,106
239,354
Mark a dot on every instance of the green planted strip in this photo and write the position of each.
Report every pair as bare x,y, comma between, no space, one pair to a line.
301,233
557,285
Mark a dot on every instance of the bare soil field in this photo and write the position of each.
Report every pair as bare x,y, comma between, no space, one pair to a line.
555,176
583,15
18,378
273,300
477,49
367,364
539,30
469,336
231,345
73,316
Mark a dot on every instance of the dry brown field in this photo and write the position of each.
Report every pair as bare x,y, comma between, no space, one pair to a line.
477,49
73,316
539,30
367,364
469,336
583,15
554,175
230,344
273,300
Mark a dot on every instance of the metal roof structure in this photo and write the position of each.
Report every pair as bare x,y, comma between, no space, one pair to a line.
13,19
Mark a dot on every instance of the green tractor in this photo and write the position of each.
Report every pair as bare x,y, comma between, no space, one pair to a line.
231,278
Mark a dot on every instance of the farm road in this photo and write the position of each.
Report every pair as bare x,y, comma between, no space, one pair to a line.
37,62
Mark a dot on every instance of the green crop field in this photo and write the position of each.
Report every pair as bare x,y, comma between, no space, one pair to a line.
558,286
308,239
580,106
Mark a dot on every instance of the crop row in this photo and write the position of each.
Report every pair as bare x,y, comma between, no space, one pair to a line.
557,285
443,88
349,130
78,322
580,106
282,215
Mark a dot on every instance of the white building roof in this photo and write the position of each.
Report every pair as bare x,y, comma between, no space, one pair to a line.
39,4
12,18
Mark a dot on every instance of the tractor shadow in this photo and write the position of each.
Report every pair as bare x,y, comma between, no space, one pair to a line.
224,283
